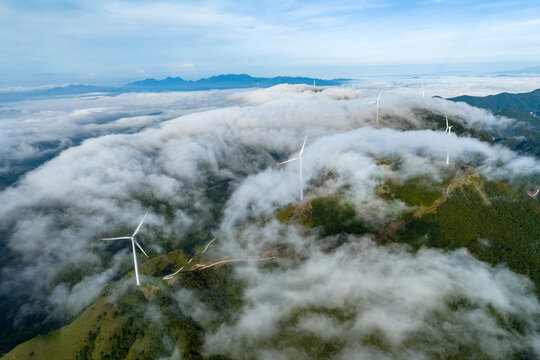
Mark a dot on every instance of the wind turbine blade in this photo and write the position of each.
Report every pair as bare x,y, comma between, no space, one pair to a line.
287,161
379,97
303,145
140,248
140,224
117,238
372,102
446,115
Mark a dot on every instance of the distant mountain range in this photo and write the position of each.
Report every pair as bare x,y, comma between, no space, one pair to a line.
230,81
219,82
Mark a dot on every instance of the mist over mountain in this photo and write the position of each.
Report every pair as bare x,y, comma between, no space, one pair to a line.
524,135
525,102
167,192
386,256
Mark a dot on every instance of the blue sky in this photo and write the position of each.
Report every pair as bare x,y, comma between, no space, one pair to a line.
111,42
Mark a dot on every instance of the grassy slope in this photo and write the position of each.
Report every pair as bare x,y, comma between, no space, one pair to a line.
118,324
66,342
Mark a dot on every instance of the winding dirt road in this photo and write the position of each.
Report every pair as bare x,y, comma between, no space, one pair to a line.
209,264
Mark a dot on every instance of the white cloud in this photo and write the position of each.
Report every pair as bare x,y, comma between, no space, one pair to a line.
423,305
56,213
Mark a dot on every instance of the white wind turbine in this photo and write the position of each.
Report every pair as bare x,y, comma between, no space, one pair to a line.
376,102
448,130
133,243
422,90
299,158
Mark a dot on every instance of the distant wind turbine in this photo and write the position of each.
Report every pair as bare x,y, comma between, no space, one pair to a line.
422,90
314,83
448,130
299,158
376,102
133,243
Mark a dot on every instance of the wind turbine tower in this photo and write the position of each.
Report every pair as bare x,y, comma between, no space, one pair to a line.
299,158
376,102
448,130
133,243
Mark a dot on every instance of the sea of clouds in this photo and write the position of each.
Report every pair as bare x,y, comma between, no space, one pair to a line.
169,148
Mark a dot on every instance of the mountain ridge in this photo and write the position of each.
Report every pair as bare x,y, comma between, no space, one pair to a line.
225,81
216,82
524,135
528,102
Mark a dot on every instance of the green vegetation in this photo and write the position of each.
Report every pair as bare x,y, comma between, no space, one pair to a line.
418,191
144,322
524,102
331,214
506,230
522,137
489,218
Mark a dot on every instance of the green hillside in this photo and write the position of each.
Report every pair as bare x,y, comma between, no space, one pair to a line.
127,322
496,223
523,136
521,116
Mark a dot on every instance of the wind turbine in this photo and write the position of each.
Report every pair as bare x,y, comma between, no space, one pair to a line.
448,130
299,158
376,102
422,90
133,243
314,86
